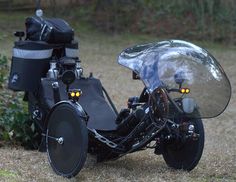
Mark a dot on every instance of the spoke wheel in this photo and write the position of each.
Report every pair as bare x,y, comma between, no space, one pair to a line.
185,155
66,140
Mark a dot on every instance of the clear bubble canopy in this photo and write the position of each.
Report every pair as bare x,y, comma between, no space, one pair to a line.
160,64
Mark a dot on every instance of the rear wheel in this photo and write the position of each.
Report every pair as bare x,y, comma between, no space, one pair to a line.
185,155
66,140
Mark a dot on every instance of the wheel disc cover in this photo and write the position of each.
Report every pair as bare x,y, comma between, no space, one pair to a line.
64,158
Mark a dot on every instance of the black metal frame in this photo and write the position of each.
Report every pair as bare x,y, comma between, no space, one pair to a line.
113,141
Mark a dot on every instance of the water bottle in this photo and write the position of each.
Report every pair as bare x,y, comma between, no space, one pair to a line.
78,70
53,72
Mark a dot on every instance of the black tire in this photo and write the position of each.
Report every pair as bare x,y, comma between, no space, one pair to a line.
187,155
66,159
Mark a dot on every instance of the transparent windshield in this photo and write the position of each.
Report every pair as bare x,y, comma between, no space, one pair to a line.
169,63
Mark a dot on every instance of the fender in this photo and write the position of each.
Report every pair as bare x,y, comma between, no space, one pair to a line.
76,105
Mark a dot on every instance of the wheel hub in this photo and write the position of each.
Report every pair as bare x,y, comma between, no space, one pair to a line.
60,140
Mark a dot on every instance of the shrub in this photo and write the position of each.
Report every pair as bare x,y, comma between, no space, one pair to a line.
213,20
15,125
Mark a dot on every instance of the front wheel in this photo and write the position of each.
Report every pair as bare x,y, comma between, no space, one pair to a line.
66,140
185,155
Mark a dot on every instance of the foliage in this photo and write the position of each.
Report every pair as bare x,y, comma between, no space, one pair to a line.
15,126
213,20
3,69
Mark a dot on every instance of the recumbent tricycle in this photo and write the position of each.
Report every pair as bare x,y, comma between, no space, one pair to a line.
183,83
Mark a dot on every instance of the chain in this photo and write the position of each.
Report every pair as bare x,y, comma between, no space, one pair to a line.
103,139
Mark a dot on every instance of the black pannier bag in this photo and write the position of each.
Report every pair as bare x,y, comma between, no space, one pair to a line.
72,50
54,30
30,62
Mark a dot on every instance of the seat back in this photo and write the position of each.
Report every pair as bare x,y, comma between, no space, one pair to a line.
101,115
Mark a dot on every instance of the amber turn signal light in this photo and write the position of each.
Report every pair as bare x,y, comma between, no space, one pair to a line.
184,90
187,90
74,94
77,94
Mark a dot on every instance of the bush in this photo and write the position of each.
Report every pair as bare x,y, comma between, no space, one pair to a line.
15,126
213,20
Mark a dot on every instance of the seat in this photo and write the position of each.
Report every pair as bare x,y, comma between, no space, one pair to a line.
101,115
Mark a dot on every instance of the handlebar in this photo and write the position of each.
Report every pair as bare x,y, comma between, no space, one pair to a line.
172,90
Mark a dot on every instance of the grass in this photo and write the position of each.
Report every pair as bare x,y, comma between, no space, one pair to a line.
5,173
98,52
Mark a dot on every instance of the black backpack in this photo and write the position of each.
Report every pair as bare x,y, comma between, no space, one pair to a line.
53,30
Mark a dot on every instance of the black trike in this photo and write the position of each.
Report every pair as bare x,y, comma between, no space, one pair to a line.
183,83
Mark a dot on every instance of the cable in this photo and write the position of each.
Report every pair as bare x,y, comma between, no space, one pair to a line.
110,101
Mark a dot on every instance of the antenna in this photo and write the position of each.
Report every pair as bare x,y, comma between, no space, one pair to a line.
39,11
